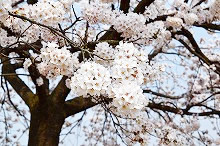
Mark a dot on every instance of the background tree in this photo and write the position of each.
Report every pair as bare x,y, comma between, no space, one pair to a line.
139,62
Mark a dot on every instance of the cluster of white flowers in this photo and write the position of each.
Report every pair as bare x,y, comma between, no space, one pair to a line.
185,13
128,71
190,18
104,54
47,12
28,32
174,22
50,13
95,12
67,4
32,34
155,9
128,98
151,33
5,6
129,24
56,61
91,78
6,40
129,63
121,81
207,12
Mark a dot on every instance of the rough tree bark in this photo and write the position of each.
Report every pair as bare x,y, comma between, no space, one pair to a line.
45,125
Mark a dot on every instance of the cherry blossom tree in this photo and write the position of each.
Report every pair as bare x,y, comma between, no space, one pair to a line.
137,71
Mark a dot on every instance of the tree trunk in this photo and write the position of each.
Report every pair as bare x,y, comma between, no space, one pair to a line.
45,125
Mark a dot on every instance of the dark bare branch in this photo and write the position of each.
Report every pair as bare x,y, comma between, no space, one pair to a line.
163,95
181,111
198,3
32,1
141,6
77,105
17,3
124,5
196,49
60,93
19,86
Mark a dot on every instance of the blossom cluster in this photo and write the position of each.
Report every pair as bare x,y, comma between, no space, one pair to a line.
121,80
5,6
129,63
128,98
56,61
155,9
6,41
50,13
174,22
104,54
46,12
132,26
102,13
129,24
140,129
91,78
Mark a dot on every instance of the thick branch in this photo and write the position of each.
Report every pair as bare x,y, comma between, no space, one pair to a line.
170,109
111,35
199,2
154,53
159,18
60,93
124,6
196,49
17,3
32,1
141,6
19,86
43,90
77,105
